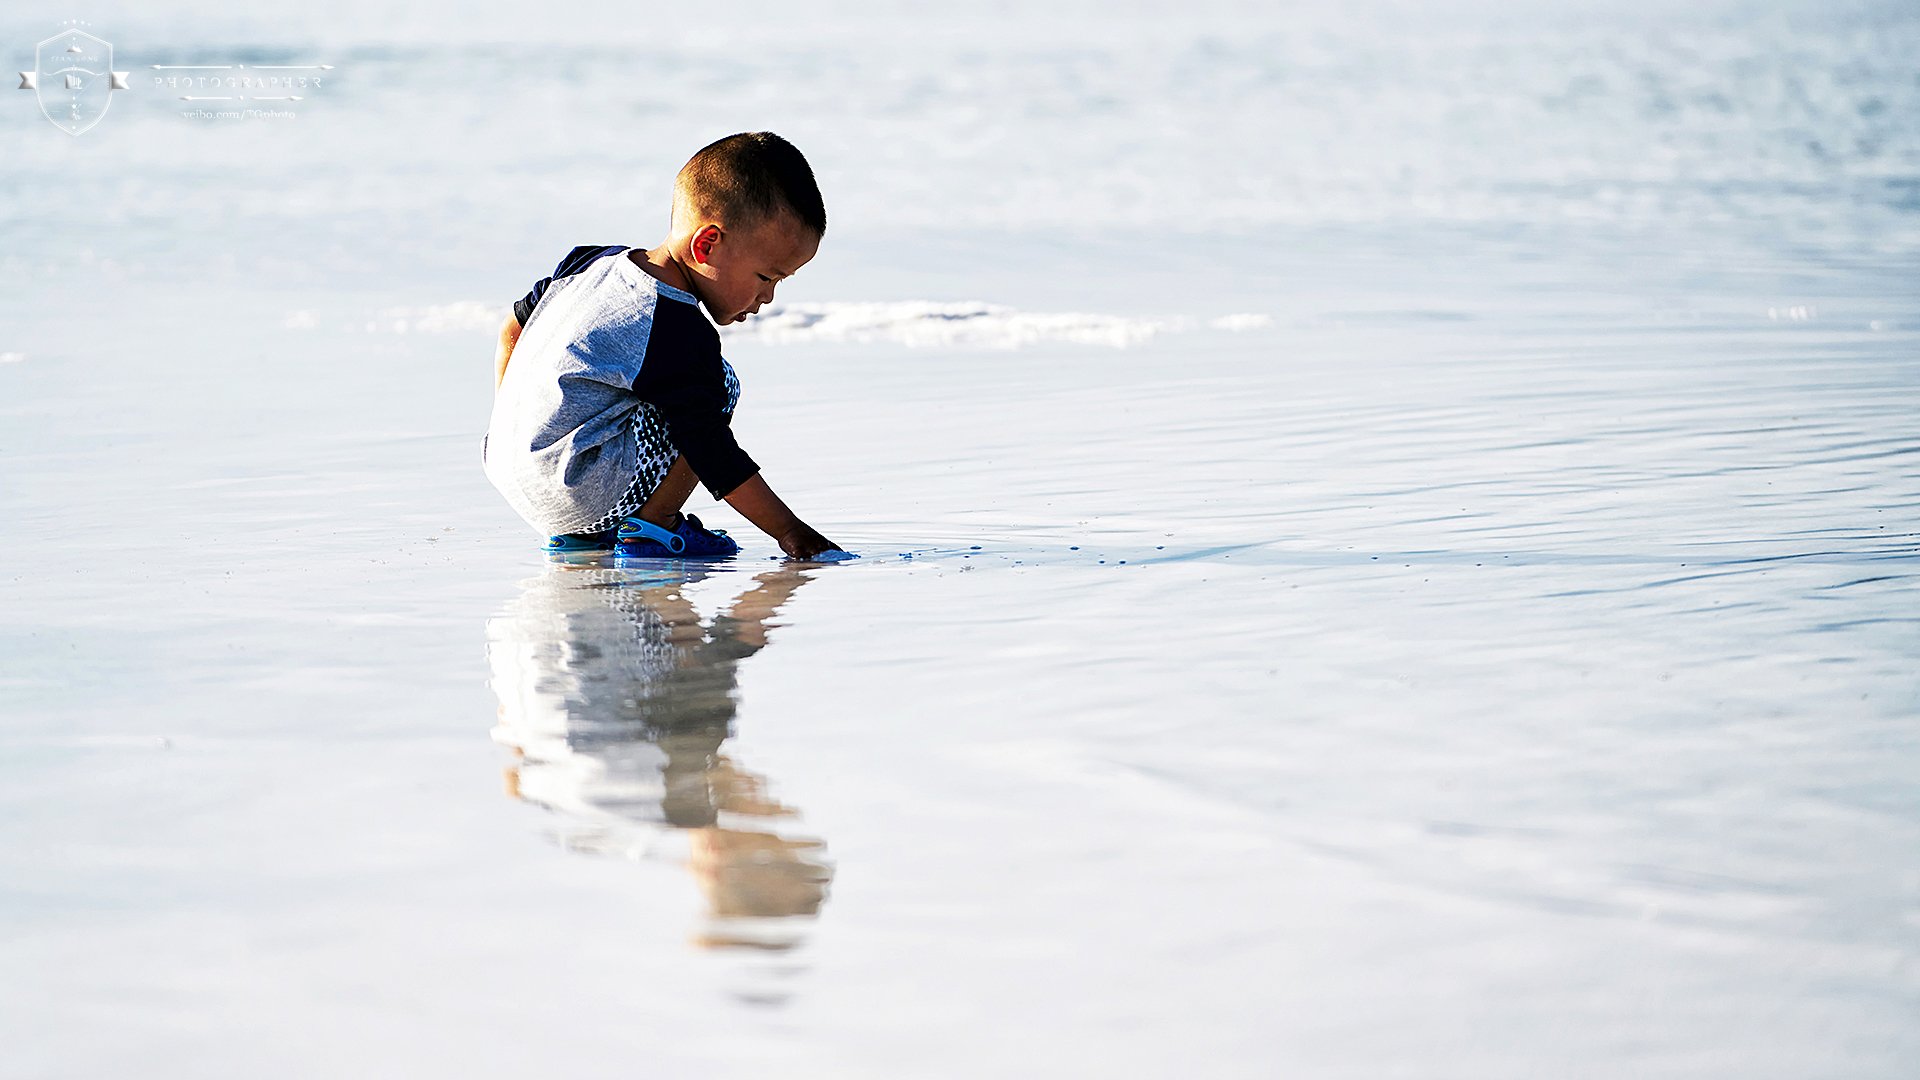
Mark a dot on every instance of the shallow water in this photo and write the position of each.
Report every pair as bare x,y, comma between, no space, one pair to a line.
1496,661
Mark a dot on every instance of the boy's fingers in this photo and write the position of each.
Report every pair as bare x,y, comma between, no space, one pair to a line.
808,546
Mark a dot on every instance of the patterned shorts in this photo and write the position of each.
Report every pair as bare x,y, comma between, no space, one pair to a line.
656,455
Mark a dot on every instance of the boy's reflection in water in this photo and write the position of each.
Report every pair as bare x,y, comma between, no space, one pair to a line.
615,698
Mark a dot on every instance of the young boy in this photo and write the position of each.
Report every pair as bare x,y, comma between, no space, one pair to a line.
613,397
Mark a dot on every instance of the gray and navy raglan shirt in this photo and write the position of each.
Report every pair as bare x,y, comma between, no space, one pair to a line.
600,341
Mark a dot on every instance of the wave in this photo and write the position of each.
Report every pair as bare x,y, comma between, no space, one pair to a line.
919,323
970,323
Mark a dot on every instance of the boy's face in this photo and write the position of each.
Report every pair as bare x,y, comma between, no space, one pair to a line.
735,272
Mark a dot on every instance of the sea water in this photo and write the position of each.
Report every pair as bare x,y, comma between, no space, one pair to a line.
1387,548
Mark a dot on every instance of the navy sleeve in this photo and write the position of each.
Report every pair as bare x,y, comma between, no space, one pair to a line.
683,378
576,261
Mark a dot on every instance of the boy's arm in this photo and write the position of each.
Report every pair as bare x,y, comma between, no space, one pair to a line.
758,504
509,337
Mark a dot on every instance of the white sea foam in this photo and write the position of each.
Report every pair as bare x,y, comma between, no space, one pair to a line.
1242,321
457,317
917,323
461,316
930,322
914,323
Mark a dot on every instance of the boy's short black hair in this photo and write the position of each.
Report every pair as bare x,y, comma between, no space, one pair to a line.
742,180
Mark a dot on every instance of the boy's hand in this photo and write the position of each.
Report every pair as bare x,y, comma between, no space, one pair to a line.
758,504
804,543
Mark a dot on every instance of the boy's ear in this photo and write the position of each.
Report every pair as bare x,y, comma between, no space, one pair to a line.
703,242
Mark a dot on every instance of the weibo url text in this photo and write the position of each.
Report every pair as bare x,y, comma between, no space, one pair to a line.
237,114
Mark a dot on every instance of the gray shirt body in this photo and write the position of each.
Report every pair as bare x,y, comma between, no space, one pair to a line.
601,343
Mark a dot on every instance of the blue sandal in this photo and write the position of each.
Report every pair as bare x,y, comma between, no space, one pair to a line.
687,540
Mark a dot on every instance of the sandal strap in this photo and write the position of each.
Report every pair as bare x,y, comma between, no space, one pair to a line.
672,541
